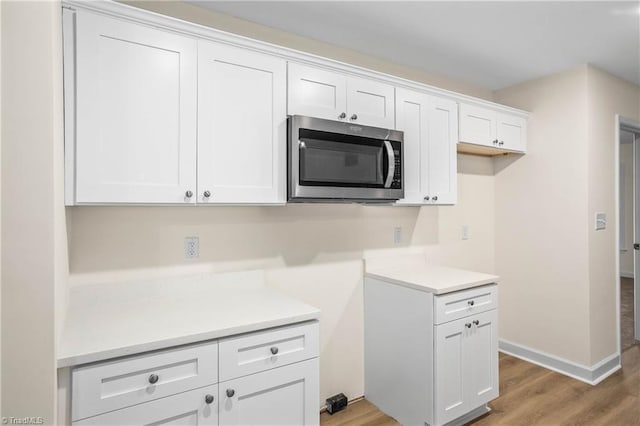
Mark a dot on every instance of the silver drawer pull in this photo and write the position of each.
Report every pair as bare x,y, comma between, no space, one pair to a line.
230,393
471,302
468,325
476,322
208,399
274,350
153,379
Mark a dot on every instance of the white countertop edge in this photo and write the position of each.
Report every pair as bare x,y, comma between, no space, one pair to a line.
437,291
107,354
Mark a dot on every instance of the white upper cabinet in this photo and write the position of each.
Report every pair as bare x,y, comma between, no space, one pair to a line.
135,139
370,103
430,134
316,93
334,96
511,132
442,162
412,118
241,126
491,132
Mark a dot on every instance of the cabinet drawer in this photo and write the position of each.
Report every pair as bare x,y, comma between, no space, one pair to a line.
463,303
187,408
269,349
108,386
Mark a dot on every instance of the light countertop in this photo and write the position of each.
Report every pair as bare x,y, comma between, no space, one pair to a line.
414,272
110,320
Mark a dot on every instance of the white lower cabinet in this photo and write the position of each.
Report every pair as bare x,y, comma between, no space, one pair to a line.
282,396
196,407
269,377
430,359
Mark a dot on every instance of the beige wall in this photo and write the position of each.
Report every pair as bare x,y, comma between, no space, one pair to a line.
547,251
607,96
0,210
189,12
31,135
541,221
626,212
312,252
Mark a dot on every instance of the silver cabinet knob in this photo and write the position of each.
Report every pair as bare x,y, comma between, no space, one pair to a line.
230,393
495,141
208,399
188,194
354,117
468,325
501,143
471,302
153,379
207,194
274,350
342,116
476,322
427,198
435,198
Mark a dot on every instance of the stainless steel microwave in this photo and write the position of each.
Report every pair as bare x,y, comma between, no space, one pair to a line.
334,161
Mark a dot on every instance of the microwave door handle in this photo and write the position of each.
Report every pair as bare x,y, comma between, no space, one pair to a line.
392,164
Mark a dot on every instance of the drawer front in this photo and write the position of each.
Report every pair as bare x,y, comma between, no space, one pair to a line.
264,350
108,386
460,304
197,407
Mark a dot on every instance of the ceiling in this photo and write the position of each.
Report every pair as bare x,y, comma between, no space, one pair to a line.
489,44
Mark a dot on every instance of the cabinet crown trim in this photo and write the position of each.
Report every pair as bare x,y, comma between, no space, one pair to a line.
186,28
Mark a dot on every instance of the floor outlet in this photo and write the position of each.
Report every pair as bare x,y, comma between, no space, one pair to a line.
397,235
191,247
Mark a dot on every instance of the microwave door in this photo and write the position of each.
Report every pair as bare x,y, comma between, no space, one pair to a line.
391,164
340,164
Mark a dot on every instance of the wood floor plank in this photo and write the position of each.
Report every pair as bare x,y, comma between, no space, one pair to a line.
533,395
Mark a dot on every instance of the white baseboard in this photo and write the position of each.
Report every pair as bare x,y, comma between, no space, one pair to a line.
627,274
591,375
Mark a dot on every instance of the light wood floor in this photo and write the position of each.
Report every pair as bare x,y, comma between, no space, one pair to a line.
532,395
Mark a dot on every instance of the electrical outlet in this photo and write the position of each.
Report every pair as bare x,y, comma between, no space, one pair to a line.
464,232
191,247
397,235
601,221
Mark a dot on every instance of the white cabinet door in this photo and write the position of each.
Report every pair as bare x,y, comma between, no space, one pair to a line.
370,103
511,132
135,113
283,396
316,92
325,94
451,400
197,407
442,160
466,365
482,358
241,126
477,125
430,127
412,118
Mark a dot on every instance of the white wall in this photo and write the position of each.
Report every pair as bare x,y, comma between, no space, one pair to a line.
607,96
559,282
626,203
541,221
32,224
0,211
312,252
192,13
